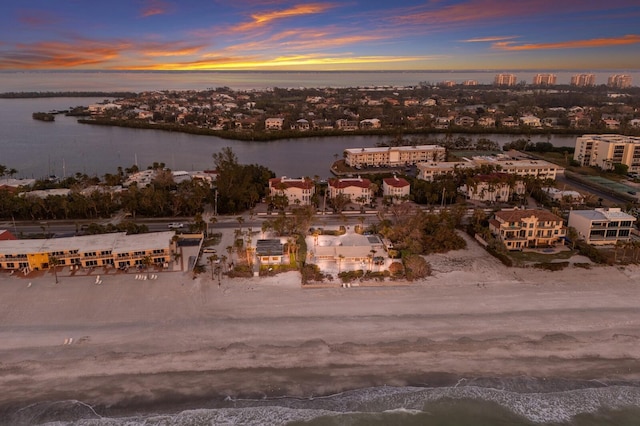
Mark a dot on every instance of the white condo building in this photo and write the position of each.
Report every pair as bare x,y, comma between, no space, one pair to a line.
393,156
606,150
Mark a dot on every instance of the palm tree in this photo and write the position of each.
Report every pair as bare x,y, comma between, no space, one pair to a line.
340,259
212,260
54,262
240,220
147,261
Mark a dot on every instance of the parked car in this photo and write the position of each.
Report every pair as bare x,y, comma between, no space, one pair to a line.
176,225
209,251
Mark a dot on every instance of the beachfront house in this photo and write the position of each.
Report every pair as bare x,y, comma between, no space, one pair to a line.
530,228
602,225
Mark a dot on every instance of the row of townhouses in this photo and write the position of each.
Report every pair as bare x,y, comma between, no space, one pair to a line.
117,250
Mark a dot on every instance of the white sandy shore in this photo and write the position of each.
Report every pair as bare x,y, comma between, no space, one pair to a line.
174,338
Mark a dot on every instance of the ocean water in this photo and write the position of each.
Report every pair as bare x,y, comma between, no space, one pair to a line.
529,402
137,81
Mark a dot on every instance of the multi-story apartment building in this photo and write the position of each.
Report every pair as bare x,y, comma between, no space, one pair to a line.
544,79
111,250
538,168
619,81
602,226
358,190
394,156
470,83
298,191
519,229
605,151
504,80
583,80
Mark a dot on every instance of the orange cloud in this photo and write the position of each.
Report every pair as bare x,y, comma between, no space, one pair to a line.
573,44
488,39
154,7
470,11
304,39
62,55
261,19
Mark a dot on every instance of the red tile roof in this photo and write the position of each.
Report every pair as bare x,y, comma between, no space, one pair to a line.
396,182
345,183
518,215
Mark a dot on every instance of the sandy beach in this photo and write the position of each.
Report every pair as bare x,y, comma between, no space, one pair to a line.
138,343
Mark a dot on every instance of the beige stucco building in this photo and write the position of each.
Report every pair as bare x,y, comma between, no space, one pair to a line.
393,156
358,190
298,191
519,229
396,188
606,150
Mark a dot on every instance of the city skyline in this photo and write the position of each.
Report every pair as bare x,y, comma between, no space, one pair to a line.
275,35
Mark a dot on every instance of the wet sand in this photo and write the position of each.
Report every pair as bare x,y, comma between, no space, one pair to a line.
173,340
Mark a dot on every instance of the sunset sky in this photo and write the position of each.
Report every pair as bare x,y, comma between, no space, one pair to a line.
320,35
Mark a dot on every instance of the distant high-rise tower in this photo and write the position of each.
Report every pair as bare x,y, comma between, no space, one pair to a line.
583,80
619,81
505,80
470,83
544,79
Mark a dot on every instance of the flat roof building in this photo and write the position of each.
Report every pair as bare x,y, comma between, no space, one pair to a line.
605,151
114,249
602,226
394,156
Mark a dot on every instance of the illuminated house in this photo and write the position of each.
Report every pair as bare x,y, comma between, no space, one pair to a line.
519,229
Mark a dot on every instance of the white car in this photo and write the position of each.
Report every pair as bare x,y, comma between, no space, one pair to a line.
176,225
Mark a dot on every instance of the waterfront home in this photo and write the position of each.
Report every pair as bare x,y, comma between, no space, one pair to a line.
270,251
531,228
602,225
298,191
370,123
274,123
530,120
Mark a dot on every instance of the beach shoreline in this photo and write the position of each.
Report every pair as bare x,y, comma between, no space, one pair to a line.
178,342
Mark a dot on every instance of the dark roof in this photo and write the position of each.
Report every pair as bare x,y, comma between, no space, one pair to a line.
270,247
